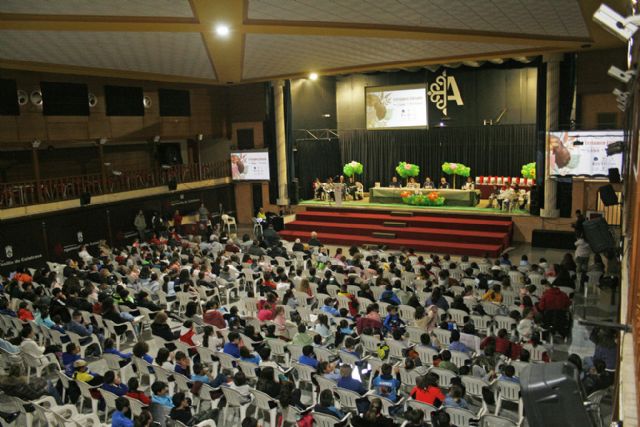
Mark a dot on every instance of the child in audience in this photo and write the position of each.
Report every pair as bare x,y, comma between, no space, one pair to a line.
134,393
455,398
240,384
247,356
160,394
393,321
387,384
182,364
113,384
164,359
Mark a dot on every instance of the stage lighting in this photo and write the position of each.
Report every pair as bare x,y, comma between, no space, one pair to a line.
618,74
313,76
621,27
222,30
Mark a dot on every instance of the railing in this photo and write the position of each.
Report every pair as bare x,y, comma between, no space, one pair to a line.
26,193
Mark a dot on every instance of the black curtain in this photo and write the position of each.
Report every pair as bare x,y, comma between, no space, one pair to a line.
316,159
487,150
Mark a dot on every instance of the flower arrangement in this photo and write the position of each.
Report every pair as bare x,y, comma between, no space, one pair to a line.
529,170
352,168
456,169
417,199
406,170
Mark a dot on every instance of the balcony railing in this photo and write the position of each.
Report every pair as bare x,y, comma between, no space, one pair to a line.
14,194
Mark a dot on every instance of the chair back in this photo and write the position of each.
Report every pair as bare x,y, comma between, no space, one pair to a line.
109,399
113,361
136,406
142,366
408,377
460,417
489,420
457,315
162,374
347,398
407,313
443,335
396,349
444,376
226,361
305,373
325,383
473,385
233,397
491,308
508,390
249,370
182,383
426,354
424,407
415,333
504,322
481,323
325,420
262,400
324,354
370,343
458,357
294,350
386,403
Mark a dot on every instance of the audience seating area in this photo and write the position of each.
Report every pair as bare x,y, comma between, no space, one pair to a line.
206,332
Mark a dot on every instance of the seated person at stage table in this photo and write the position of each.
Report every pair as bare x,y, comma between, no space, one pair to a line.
469,185
427,183
352,189
443,183
329,188
412,183
507,194
394,182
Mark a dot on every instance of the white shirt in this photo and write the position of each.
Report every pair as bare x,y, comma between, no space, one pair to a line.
583,250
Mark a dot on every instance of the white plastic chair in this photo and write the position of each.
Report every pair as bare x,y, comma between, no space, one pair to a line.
227,222
424,407
235,401
264,403
488,420
460,417
508,391
325,420
444,376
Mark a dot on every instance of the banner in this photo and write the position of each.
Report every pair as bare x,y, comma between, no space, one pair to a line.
583,153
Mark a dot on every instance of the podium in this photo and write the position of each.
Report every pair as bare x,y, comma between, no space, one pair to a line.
337,192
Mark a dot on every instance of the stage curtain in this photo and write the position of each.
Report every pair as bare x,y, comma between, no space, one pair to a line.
487,150
316,158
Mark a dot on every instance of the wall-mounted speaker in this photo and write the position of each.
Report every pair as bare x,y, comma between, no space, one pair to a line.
85,199
608,195
614,176
23,97
36,97
597,234
93,100
173,185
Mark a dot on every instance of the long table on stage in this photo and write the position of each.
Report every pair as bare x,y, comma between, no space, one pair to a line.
451,197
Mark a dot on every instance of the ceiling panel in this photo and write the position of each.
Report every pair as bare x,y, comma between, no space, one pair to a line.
541,17
276,55
177,54
165,8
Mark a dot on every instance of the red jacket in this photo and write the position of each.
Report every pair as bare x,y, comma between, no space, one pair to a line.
138,395
554,299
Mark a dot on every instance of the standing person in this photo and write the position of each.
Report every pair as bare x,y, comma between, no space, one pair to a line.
203,214
581,256
579,224
141,225
177,221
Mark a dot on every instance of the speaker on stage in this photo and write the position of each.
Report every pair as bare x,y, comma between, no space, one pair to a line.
85,199
597,234
608,195
173,185
534,204
614,176
295,191
551,391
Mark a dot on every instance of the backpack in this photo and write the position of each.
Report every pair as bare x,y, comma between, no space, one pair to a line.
383,351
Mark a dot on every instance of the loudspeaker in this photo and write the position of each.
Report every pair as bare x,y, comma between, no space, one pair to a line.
295,191
614,176
551,391
85,199
173,185
597,234
608,195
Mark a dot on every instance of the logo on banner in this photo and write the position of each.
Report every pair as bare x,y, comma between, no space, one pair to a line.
443,90
80,236
8,251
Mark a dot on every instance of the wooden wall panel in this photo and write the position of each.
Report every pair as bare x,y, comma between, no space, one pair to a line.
67,128
125,127
31,126
8,128
175,127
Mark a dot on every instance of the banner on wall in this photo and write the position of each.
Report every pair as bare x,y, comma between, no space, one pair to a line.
583,153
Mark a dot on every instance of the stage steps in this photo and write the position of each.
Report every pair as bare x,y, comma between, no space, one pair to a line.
425,232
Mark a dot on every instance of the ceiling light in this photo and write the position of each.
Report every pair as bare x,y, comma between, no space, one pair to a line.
222,30
313,76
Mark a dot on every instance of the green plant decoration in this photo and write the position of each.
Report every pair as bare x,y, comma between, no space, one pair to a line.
352,168
529,170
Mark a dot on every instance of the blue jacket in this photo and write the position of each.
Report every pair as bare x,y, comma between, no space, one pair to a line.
231,349
118,419
390,297
352,384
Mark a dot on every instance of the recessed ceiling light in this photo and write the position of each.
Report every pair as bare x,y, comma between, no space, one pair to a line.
222,30
313,76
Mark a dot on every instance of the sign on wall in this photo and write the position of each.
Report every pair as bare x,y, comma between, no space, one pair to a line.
583,153
444,89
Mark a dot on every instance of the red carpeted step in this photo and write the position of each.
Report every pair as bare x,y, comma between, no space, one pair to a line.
454,248
417,212
413,233
372,217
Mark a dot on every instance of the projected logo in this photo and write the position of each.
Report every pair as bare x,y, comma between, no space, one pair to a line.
443,90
